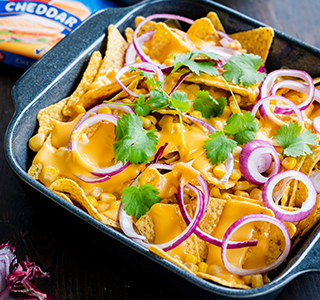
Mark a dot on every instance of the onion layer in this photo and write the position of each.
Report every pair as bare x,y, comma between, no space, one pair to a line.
289,216
245,220
315,178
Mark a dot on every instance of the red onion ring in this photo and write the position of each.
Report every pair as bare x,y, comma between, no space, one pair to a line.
316,124
266,112
225,52
255,159
225,36
315,178
289,216
93,180
160,152
266,88
204,124
183,77
229,168
201,234
239,223
143,65
141,54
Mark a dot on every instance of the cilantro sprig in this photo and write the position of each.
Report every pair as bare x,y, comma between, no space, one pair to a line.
293,142
138,200
208,106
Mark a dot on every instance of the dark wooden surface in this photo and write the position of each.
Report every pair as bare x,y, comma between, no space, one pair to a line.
83,262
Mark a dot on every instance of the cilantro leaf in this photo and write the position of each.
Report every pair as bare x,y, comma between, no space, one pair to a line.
152,83
185,59
141,72
243,127
294,144
133,142
140,107
243,69
138,200
157,99
218,147
179,101
208,106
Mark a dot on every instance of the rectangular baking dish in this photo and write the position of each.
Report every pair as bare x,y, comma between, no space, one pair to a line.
57,74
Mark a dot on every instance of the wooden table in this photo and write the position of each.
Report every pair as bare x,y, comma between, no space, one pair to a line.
83,262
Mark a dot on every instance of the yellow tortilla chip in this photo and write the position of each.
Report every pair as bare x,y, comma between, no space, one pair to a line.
123,94
129,34
64,196
146,226
151,25
213,17
87,78
257,41
202,29
35,170
109,222
76,194
223,281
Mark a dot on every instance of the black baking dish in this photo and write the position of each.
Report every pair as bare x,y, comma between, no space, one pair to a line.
57,74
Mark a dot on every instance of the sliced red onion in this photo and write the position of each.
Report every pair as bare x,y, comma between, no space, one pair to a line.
255,158
224,35
315,178
204,124
179,82
279,193
225,52
272,141
93,180
245,220
316,124
7,260
266,88
229,168
289,216
201,234
262,69
160,152
141,54
264,102
148,66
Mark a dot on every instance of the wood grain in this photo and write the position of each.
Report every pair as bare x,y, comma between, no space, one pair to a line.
85,263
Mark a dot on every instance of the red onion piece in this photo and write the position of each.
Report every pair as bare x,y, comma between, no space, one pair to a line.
201,234
290,216
148,66
179,82
245,220
224,35
141,54
229,168
7,260
315,178
254,159
264,102
225,52
204,124
93,180
316,124
266,88
160,152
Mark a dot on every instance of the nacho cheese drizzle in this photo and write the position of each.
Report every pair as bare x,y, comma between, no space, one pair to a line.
188,129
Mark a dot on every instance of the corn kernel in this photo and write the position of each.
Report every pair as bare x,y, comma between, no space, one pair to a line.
104,110
225,196
233,105
152,119
247,279
256,194
203,267
217,124
265,278
36,142
79,109
214,270
107,197
49,174
102,206
280,157
219,170
169,61
196,114
289,163
270,168
215,192
165,119
127,101
146,122
191,258
157,61
193,88
96,192
241,194
191,266
93,201
226,112
257,281
115,204
242,185
236,174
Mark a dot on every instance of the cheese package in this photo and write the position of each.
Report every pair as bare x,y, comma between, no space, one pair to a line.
28,29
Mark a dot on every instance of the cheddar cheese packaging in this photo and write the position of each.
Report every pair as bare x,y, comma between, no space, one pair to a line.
28,29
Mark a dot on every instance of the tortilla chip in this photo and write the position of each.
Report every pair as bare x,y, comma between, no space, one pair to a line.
64,196
213,17
109,222
223,281
76,194
257,41
202,29
151,25
35,170
129,34
87,78
123,94
146,226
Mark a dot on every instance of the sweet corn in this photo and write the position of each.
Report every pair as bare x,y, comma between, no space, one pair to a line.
115,204
191,266
196,114
219,170
107,197
215,192
214,270
225,196
165,119
203,267
280,157
247,279
289,163
36,142
104,110
191,258
127,101
241,194
152,119
265,278
236,174
256,194
242,185
146,122
226,112
217,124
79,109
233,105
102,206
169,61
49,174
93,201
96,192
257,280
